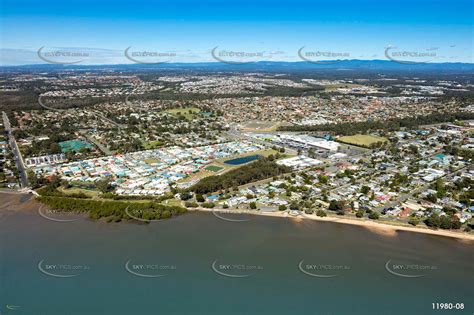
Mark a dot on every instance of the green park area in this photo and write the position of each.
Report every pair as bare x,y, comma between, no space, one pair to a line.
187,112
152,145
366,141
74,191
213,168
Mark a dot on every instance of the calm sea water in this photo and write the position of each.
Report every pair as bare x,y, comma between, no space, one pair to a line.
200,264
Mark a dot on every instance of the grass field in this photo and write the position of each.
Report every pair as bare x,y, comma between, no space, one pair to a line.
213,168
152,145
90,193
187,112
361,140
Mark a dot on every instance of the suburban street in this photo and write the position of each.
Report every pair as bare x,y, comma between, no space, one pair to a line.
16,152
102,147
404,197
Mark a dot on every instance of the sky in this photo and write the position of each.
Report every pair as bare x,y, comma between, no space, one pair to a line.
100,31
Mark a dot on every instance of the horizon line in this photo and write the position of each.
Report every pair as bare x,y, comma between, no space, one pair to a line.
315,63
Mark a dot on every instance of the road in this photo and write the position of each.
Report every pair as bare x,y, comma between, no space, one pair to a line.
109,120
16,152
404,197
102,147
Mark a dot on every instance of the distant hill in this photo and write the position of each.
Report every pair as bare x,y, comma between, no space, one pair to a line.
266,66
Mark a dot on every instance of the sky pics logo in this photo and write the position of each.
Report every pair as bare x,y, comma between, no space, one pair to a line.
149,57
235,215
414,56
322,270
148,270
235,270
61,270
62,56
42,104
235,54
322,57
241,57
407,57
409,270
49,215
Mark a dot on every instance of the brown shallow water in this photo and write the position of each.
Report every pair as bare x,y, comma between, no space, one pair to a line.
200,264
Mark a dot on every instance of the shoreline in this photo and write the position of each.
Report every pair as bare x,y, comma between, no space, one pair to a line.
373,226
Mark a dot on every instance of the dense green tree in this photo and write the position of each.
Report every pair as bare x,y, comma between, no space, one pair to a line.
365,189
115,209
351,128
321,213
433,221
260,169
432,198
323,179
455,223
374,215
440,188
190,204
414,221
445,222
103,185
335,205
200,198
185,195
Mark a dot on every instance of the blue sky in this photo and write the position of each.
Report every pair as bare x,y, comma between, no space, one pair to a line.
187,31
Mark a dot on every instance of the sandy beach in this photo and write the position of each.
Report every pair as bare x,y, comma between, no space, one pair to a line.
374,226
13,200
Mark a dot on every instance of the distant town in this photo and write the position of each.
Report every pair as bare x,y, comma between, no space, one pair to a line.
121,145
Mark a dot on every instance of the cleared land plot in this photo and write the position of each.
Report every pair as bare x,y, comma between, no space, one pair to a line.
187,112
332,87
151,160
172,202
362,140
260,126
